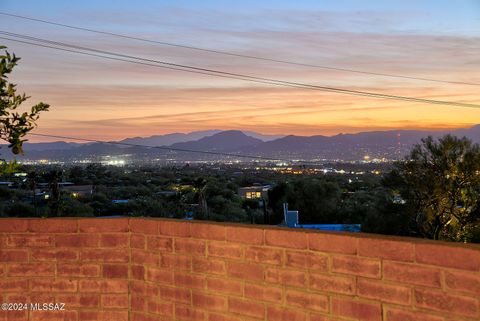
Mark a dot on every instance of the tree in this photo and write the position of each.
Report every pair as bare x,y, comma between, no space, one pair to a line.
440,182
14,125
315,199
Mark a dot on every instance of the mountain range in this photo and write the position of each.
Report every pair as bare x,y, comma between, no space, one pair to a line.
391,144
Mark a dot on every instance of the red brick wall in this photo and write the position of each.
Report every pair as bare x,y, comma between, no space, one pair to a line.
147,269
82,263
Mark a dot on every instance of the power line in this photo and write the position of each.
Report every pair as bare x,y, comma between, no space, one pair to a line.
164,43
224,74
176,149
137,62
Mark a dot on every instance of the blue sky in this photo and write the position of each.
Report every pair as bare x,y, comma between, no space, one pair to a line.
430,38
426,16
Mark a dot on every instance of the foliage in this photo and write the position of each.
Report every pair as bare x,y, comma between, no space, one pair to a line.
315,199
8,167
14,125
440,183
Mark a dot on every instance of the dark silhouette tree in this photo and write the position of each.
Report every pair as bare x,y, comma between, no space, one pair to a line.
440,181
14,126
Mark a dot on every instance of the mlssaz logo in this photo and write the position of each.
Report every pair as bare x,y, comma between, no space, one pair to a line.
47,306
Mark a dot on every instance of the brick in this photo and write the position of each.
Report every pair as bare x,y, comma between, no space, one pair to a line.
52,285
411,274
175,261
145,258
210,266
143,226
100,255
78,270
77,240
307,260
13,255
332,243
78,300
286,238
15,297
245,307
282,314
356,309
286,277
443,302
54,255
190,246
264,255
208,301
14,225
95,225
174,228
245,271
137,302
386,249
143,317
103,315
160,308
223,317
30,240
463,282
159,275
55,316
333,284
356,266
319,317
115,271
13,285
13,315
306,300
225,250
117,301
138,272
188,280
29,269
208,231
137,241
159,243
245,235
379,291
225,286
188,313
40,297
176,294
394,314
114,240
53,225
263,293
142,288
448,256
103,286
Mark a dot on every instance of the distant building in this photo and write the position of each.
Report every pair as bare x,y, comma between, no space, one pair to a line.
76,191
254,192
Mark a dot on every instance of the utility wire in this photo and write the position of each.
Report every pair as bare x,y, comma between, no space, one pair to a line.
163,43
129,61
177,149
224,74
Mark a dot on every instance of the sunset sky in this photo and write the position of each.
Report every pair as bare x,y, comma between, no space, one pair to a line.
96,98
